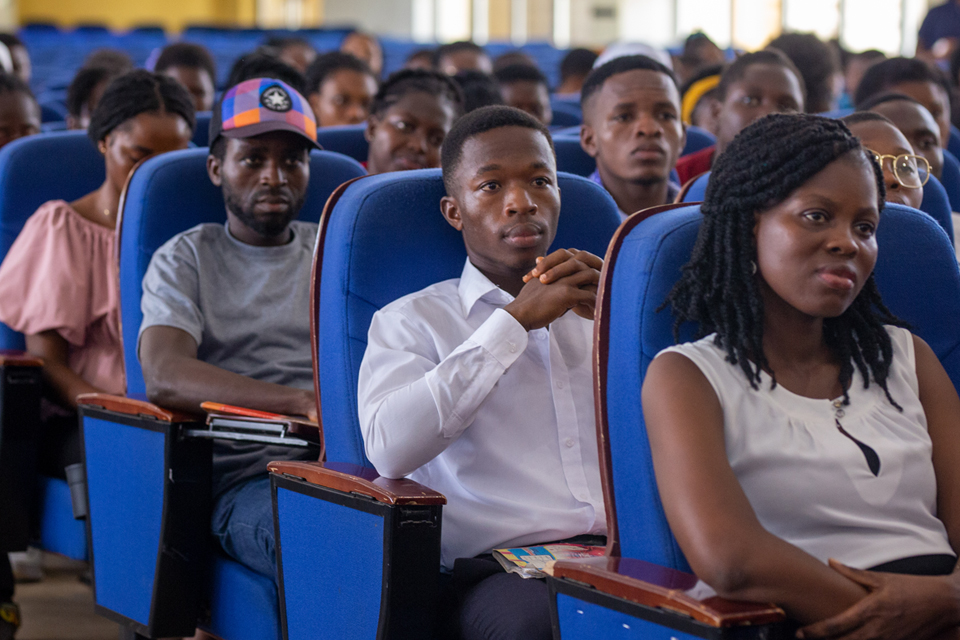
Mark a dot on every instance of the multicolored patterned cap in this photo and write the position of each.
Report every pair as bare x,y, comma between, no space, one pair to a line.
260,105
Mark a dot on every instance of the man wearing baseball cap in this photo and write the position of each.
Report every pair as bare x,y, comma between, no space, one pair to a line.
226,306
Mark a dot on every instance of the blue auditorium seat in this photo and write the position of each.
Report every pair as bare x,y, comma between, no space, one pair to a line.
390,219
950,179
566,112
148,485
348,140
34,170
571,157
201,133
953,144
697,140
919,280
935,202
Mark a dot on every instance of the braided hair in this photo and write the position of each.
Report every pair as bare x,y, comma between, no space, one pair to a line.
763,165
136,92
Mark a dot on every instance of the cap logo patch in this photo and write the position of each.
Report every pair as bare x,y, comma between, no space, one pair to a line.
275,98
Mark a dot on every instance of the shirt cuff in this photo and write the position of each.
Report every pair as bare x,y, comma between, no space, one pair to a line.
502,336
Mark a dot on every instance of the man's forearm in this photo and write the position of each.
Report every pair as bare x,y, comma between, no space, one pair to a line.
183,383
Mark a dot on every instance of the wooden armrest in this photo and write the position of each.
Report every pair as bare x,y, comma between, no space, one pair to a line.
659,587
351,478
132,406
11,358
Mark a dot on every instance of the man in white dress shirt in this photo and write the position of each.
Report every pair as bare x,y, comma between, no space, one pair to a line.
481,387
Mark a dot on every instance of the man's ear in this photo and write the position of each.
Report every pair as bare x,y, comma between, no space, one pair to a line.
588,140
451,212
715,107
371,128
214,167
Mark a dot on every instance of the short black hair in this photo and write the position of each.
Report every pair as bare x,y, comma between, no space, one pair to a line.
477,122
407,81
479,90
738,69
11,41
83,85
817,62
282,42
887,97
328,63
577,62
10,83
189,55
693,48
521,73
421,53
887,74
114,59
623,64
261,64
455,47
510,58
866,116
136,92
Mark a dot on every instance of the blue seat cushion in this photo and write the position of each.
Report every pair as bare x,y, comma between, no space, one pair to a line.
59,532
244,605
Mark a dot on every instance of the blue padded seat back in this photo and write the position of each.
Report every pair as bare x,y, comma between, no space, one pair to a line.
950,179
201,133
936,204
698,188
918,278
571,157
385,238
566,113
697,140
953,144
171,193
33,170
348,140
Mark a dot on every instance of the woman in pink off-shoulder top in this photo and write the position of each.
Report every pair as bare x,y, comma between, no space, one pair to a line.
58,283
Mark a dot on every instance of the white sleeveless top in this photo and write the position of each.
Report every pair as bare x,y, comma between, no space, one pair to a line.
813,486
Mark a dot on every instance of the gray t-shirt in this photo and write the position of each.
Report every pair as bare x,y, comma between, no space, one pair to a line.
248,308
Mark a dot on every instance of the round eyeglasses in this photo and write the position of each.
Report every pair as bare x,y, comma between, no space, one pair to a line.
910,171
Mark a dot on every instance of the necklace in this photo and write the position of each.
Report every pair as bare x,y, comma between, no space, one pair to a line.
873,460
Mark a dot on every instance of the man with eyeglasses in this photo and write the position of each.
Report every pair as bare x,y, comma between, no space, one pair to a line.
904,173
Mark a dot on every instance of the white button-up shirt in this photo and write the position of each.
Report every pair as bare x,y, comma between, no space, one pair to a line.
456,395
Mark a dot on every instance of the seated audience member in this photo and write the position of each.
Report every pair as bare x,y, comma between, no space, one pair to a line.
455,57
511,58
856,66
631,126
819,66
915,122
192,66
755,85
340,88
296,52
526,88
904,172
479,90
22,67
574,69
119,62
366,47
804,448
915,78
456,370
226,312
84,94
409,120
19,111
420,59
261,64
58,282
698,97
699,51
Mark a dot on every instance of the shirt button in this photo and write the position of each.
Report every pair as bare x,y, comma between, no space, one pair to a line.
569,443
559,384
512,346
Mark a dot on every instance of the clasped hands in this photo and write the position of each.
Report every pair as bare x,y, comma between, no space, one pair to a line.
565,280
896,607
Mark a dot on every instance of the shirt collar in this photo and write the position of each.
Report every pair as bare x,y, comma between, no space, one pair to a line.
474,286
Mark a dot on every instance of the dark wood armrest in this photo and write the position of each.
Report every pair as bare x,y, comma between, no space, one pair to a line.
659,587
134,407
351,478
11,358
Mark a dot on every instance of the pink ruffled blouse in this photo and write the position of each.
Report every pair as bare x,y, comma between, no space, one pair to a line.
61,274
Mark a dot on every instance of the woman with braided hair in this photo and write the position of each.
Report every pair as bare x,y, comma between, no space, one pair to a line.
803,446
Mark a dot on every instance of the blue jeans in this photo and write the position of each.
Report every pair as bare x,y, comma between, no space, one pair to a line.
243,523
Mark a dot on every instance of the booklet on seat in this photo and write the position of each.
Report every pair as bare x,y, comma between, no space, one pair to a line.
531,562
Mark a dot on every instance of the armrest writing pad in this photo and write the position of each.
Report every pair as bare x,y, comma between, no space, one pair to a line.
134,407
351,478
655,586
11,358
